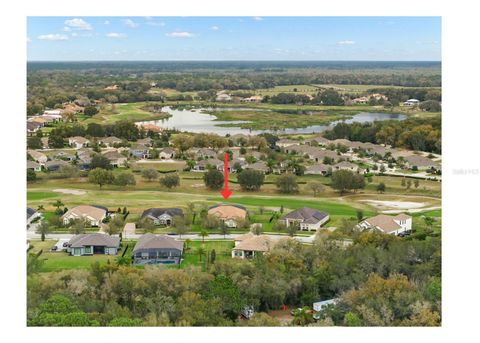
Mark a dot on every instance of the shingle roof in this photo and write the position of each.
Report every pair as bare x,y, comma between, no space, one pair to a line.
387,223
319,167
82,211
308,215
97,239
157,212
228,211
151,241
30,212
261,243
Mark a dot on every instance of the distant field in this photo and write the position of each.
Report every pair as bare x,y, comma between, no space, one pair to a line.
125,111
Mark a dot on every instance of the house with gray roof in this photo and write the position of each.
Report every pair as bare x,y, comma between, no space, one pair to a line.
167,153
157,249
116,159
258,166
204,165
162,216
306,218
140,151
319,169
32,165
54,165
32,214
92,244
421,162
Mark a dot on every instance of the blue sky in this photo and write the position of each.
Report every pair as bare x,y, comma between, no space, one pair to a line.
234,38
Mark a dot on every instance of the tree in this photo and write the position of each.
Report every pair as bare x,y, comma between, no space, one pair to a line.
431,106
428,223
170,181
250,180
55,141
351,319
224,229
213,179
200,252
125,179
182,142
100,161
316,188
31,175
180,225
416,183
203,234
302,316
344,180
58,203
287,183
359,215
292,229
381,187
223,289
213,256
100,177
90,111
34,262
150,174
331,97
43,229
115,225
34,143
95,130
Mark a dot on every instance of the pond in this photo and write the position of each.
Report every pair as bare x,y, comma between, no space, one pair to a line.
200,120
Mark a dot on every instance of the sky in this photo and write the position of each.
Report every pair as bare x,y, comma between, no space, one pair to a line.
234,38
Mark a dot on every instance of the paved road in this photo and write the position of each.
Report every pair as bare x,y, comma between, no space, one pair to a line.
57,236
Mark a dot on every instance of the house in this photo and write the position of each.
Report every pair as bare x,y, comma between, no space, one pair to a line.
421,162
110,141
78,142
204,165
140,151
204,153
253,98
167,153
145,141
240,238
57,113
157,249
317,140
38,156
223,97
411,102
258,166
319,306
32,214
162,216
344,165
34,166
283,143
93,244
116,159
393,225
319,155
54,165
65,156
93,215
229,214
319,169
235,165
307,218
361,100
253,245
33,127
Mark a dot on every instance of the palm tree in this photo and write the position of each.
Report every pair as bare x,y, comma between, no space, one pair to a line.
58,203
40,208
200,252
187,244
43,229
203,234
428,223
122,261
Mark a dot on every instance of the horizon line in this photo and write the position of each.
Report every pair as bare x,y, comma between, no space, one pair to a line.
233,60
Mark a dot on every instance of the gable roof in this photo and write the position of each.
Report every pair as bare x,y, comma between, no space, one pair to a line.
157,212
319,167
151,241
261,243
420,161
308,215
386,223
97,239
228,211
82,211
78,139
30,212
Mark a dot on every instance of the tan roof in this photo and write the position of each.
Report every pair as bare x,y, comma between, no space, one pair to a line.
386,223
94,239
78,139
256,243
244,237
83,211
228,211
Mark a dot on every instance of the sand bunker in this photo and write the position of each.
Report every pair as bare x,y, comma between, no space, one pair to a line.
69,191
400,205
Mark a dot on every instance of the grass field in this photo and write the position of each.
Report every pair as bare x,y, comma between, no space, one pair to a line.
125,111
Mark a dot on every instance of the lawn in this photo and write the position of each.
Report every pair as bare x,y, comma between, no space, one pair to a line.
124,111
40,195
222,249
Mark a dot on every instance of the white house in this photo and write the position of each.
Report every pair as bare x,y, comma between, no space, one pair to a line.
78,142
393,225
411,102
91,214
167,153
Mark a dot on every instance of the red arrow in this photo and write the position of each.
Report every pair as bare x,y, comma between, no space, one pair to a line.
225,192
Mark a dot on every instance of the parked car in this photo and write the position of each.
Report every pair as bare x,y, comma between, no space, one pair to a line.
54,248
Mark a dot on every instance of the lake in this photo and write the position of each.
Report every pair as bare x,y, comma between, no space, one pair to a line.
202,120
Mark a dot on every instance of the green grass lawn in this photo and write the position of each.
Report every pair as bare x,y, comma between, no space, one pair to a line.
223,251
40,195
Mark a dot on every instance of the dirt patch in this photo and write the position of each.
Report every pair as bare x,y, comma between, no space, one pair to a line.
69,191
395,205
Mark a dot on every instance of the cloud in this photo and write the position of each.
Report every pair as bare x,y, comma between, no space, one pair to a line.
116,35
346,42
106,22
214,28
53,37
180,34
130,23
156,23
257,18
77,24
